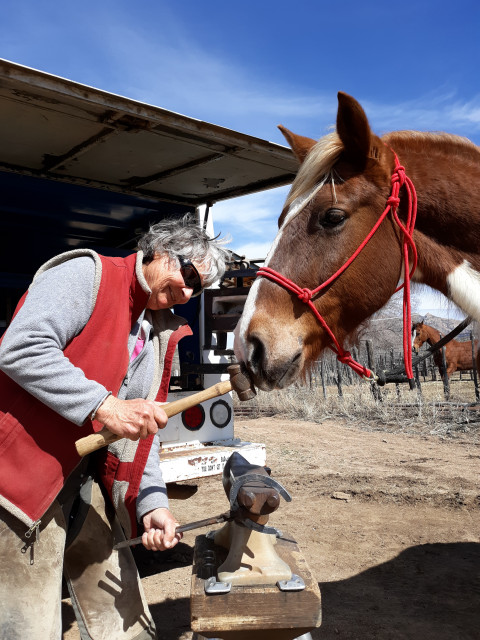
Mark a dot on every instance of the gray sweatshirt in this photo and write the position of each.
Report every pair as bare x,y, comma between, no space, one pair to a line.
57,308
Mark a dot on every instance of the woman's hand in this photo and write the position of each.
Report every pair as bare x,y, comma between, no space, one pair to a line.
160,532
132,419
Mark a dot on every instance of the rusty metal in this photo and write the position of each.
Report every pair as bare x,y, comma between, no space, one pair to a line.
198,524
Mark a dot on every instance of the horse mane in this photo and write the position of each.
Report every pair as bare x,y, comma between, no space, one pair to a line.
433,142
318,165
435,137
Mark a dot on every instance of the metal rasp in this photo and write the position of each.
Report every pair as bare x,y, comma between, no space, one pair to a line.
223,517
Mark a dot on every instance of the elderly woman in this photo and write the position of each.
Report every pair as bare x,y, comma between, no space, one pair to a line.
91,344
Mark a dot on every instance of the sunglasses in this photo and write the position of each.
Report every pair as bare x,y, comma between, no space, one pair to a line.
190,275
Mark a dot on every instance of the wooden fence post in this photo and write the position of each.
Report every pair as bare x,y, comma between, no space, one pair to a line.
349,372
474,369
446,381
377,394
322,376
356,356
339,378
417,379
424,370
392,366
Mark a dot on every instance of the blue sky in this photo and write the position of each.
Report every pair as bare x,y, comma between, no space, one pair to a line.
249,66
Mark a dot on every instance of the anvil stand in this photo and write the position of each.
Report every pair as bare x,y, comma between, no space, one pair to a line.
250,581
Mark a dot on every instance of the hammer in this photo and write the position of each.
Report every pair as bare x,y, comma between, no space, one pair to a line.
238,382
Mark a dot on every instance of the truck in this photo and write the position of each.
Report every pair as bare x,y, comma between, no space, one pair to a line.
84,168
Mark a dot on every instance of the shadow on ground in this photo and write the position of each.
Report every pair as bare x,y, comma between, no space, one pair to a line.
428,592
150,563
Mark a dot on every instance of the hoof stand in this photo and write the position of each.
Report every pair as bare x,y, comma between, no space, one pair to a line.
253,611
252,557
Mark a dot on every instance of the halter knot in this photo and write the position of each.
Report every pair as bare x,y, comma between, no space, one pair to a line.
305,295
399,175
344,357
393,201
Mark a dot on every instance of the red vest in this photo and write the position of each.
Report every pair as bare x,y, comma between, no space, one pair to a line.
37,445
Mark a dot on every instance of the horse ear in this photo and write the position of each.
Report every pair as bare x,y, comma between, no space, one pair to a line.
299,144
353,129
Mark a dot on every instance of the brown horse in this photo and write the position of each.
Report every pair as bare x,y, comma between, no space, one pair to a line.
342,187
458,355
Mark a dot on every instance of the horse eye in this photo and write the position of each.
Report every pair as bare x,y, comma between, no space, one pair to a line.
332,218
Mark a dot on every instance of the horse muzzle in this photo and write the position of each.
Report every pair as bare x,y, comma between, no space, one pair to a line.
271,364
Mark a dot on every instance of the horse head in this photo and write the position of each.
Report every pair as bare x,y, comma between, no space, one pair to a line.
419,335
338,195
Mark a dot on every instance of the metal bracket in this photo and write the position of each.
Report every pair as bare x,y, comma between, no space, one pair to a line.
210,535
294,584
212,587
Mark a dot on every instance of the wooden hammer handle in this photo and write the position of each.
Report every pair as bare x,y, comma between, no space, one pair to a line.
104,437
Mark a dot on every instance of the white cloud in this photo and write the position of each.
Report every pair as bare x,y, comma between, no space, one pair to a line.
439,111
173,67
251,221
179,74
253,250
428,300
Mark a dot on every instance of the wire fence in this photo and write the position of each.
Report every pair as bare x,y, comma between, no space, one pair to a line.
328,372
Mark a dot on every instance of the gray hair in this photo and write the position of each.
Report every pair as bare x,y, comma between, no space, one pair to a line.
184,236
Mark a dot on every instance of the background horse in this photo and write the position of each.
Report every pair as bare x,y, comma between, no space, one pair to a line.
458,355
341,191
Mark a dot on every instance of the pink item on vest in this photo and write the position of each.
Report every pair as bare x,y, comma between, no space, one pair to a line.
138,348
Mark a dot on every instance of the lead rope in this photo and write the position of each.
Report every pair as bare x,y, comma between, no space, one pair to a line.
399,178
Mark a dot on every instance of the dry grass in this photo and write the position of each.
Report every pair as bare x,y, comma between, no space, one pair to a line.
392,408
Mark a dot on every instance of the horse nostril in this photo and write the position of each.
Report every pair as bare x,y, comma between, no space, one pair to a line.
258,353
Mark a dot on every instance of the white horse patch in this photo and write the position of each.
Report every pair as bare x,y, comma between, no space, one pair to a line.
464,289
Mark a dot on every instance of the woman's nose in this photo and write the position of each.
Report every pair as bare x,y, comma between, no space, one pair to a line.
187,293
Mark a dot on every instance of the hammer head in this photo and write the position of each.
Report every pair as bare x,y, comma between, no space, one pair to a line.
241,382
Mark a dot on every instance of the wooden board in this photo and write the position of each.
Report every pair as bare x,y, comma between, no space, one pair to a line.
254,612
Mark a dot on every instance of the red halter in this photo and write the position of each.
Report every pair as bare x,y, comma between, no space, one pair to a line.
399,178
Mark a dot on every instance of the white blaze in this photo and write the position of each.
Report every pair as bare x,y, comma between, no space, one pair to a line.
240,344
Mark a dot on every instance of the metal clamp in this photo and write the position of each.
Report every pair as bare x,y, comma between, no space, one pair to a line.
213,587
294,584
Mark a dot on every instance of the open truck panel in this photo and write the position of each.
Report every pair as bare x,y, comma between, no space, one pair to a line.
80,167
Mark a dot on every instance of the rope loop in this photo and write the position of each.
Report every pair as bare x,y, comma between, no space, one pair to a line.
305,295
399,174
393,201
344,357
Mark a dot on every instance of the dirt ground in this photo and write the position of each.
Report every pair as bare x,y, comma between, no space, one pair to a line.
389,525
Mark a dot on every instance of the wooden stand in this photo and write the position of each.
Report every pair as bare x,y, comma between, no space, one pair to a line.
256,612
